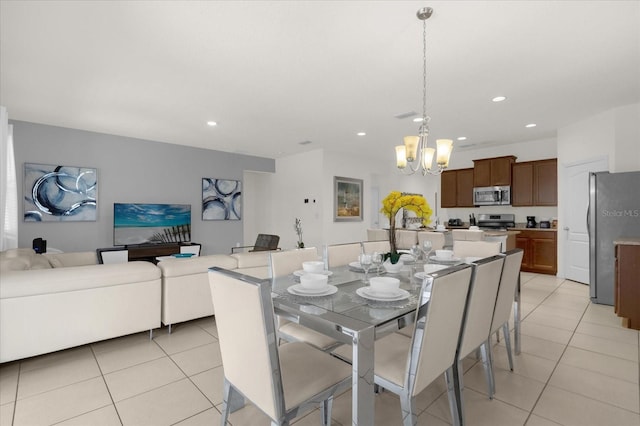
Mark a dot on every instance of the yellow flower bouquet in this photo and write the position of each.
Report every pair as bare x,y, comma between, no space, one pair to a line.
392,204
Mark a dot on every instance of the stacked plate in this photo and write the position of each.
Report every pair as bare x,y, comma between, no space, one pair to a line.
299,290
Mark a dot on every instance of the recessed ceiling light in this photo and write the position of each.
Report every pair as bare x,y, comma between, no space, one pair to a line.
499,98
417,120
211,123
462,138
531,125
361,134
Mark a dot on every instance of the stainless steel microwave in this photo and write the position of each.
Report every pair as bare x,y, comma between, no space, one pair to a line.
492,196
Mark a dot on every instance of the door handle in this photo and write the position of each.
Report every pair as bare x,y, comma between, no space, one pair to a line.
566,228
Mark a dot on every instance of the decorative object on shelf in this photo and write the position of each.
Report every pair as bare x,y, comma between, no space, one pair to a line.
298,228
347,199
395,201
54,193
221,199
415,153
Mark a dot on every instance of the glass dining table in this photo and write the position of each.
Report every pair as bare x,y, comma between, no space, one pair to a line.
352,316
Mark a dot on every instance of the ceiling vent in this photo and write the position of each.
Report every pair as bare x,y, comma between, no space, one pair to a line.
404,115
304,142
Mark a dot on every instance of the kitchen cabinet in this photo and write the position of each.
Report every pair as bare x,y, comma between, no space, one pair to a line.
456,188
535,183
540,250
627,287
493,171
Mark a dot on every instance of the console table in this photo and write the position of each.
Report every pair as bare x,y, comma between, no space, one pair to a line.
150,252
627,289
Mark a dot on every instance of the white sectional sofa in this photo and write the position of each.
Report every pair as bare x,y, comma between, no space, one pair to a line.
185,283
56,301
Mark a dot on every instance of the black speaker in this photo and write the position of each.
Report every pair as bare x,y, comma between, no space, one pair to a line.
39,245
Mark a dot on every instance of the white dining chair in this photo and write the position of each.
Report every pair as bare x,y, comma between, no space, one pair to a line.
463,249
377,234
342,254
376,246
405,239
437,239
476,327
407,365
283,381
286,262
504,304
467,235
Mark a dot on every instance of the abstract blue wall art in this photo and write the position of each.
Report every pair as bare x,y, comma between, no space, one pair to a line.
221,199
54,193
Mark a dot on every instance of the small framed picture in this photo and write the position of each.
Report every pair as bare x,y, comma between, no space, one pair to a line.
347,199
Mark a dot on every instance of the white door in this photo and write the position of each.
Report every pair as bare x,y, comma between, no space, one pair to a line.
576,205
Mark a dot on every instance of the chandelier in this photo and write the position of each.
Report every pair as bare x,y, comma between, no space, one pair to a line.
415,155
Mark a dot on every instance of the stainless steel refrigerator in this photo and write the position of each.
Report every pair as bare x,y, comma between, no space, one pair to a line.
614,212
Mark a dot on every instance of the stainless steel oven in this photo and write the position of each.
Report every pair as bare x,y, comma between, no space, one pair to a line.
492,196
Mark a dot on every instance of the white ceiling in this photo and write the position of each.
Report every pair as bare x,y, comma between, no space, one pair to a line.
276,73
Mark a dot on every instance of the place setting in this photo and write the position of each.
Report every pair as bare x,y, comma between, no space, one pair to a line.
445,257
312,267
383,289
314,281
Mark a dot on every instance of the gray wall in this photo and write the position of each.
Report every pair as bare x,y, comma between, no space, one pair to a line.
130,171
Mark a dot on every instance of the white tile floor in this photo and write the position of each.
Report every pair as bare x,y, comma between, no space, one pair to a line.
578,366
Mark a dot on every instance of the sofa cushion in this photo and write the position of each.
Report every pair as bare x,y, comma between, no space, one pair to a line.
196,265
14,264
16,252
63,260
58,280
252,259
38,261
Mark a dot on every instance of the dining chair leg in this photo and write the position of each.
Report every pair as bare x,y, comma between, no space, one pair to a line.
327,405
498,336
487,363
408,409
226,395
458,387
507,343
451,394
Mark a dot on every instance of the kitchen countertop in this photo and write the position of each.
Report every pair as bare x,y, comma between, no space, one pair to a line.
524,228
627,241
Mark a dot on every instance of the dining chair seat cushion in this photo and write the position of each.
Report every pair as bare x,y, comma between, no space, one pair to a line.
391,352
297,360
300,333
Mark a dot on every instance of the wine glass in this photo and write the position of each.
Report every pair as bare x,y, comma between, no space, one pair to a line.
365,263
377,259
427,247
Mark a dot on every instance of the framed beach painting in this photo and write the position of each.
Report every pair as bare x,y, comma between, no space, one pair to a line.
55,193
221,199
347,199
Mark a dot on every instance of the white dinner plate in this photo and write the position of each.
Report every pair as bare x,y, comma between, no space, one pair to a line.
367,293
298,290
423,275
356,265
441,260
302,272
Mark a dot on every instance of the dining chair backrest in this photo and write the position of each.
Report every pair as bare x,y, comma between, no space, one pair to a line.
480,304
376,246
377,234
437,239
342,254
507,289
436,332
247,338
405,239
480,249
288,261
467,235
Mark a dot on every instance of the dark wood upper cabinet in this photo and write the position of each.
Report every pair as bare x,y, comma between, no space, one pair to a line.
522,184
493,171
535,183
464,197
456,188
448,188
545,182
